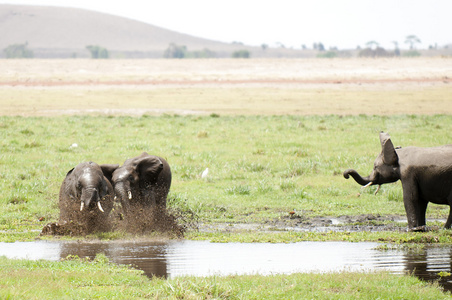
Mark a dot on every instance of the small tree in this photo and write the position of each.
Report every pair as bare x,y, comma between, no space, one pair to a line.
412,40
18,51
320,47
97,51
396,48
372,45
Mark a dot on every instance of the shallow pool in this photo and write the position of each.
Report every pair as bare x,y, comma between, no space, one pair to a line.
202,258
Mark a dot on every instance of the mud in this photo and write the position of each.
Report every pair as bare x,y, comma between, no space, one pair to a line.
366,222
359,223
138,221
176,222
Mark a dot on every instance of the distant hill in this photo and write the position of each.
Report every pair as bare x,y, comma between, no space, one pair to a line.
58,32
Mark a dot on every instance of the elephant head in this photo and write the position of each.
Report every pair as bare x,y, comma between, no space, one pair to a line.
140,180
87,184
386,166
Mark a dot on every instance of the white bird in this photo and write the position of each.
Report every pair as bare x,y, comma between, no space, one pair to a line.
74,145
204,173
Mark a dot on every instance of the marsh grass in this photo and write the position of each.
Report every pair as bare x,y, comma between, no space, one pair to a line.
254,162
76,278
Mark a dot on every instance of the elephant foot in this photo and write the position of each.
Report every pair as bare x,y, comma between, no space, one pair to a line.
422,228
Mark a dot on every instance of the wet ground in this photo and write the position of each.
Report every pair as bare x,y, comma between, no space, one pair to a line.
201,258
295,222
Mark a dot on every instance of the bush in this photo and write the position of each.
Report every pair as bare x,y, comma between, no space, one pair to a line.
328,54
378,52
175,51
97,51
411,53
204,53
18,51
241,54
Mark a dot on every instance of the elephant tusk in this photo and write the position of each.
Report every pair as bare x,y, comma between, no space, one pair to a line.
370,183
100,206
378,188
82,205
130,195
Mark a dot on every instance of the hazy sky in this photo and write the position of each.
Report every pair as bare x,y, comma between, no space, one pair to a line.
340,23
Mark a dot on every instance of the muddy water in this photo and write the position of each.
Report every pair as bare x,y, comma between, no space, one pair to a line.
201,258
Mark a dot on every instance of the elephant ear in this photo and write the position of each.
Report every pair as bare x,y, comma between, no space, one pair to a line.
69,184
108,170
387,150
149,166
69,172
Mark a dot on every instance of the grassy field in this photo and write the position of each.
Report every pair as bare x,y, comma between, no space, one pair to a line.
275,134
98,279
261,167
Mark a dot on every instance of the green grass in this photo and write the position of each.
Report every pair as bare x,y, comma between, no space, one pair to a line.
76,278
396,238
261,167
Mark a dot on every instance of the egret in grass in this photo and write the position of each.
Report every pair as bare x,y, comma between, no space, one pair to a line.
205,173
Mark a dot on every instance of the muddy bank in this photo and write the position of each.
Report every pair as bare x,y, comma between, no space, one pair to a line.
359,223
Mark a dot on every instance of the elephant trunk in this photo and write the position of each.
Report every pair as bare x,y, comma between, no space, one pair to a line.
358,178
124,194
90,196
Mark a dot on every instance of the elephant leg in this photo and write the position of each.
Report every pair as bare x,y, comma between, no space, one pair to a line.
413,205
421,213
449,219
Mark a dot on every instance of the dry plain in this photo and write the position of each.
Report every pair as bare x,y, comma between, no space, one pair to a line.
226,86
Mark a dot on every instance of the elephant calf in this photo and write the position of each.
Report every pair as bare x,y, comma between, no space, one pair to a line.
86,198
426,175
142,182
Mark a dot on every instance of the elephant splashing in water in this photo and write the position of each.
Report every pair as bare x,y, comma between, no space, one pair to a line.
86,199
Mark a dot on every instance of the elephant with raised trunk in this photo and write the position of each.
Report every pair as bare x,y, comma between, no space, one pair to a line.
425,173
86,197
142,182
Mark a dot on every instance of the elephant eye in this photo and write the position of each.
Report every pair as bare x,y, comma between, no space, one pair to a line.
131,178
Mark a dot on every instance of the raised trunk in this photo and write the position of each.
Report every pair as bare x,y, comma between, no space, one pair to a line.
360,180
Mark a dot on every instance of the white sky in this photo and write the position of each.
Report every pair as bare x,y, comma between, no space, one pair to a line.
340,23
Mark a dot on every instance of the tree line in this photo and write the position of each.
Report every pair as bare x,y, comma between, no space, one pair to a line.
372,49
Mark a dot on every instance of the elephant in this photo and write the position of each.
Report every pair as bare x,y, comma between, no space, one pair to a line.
142,182
86,197
425,173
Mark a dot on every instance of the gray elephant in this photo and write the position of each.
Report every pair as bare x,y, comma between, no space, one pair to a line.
425,173
86,198
142,182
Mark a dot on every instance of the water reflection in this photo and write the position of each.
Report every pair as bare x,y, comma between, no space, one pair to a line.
202,258
428,264
149,257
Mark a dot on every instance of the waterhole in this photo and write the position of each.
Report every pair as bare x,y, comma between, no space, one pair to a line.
201,258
